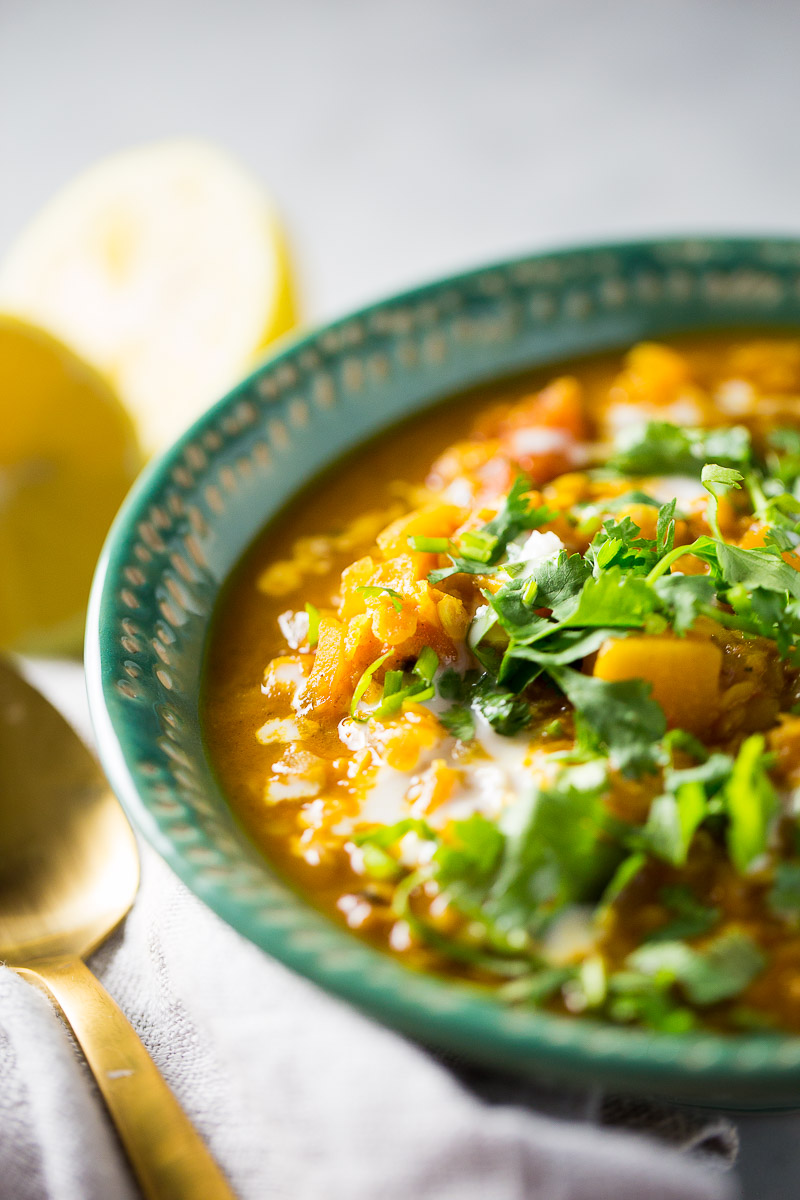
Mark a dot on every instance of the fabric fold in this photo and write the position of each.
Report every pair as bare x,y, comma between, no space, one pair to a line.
301,1097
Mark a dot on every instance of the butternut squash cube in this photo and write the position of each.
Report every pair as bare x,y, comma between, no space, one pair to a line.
684,674
326,688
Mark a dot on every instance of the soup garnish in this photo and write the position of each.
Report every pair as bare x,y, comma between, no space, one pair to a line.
533,717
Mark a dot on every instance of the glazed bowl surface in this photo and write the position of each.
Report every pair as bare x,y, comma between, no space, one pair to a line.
194,512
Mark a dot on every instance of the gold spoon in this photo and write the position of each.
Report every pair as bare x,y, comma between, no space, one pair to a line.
69,871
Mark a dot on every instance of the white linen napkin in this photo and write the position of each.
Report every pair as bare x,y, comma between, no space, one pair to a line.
302,1098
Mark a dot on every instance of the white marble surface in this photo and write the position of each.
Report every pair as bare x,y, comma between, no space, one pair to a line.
402,140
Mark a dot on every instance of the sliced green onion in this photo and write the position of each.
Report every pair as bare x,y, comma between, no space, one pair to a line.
430,545
366,679
529,594
313,623
427,664
422,689
392,703
392,683
478,545
395,597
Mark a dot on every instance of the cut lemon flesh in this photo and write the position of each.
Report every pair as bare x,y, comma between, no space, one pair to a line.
68,454
165,268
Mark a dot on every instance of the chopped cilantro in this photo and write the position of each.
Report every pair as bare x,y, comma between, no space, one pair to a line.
622,716
471,853
627,871
716,479
685,597
478,551
615,600
560,845
683,806
560,850
691,918
453,686
459,722
784,895
659,448
635,996
761,567
506,713
721,970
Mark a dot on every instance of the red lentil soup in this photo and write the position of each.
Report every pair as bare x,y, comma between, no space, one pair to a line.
515,692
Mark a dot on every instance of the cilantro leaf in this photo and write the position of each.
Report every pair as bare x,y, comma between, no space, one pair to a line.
655,448
471,854
559,850
559,580
627,871
761,567
683,806
721,970
634,996
515,616
728,477
460,566
507,713
685,597
516,515
715,479
480,550
564,646
691,917
665,527
459,722
626,721
613,599
621,544
660,448
784,895
453,686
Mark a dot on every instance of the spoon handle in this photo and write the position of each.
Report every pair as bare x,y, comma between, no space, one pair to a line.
168,1156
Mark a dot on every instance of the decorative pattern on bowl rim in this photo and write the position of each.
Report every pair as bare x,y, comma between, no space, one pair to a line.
194,511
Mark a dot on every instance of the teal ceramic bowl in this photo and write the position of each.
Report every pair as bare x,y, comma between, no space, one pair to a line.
194,512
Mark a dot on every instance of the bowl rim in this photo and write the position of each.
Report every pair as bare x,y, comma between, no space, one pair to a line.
760,1061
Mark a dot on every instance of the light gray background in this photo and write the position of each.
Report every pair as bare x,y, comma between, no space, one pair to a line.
402,140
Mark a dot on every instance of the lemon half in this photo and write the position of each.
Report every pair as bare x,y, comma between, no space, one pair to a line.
165,268
68,454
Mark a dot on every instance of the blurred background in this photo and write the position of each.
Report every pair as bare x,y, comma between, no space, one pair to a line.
400,141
